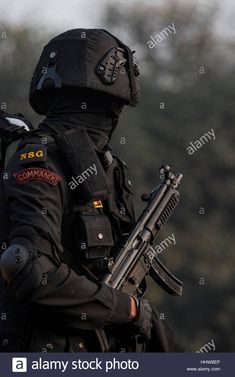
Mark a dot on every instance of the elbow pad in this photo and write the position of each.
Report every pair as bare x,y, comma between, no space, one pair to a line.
22,272
13,260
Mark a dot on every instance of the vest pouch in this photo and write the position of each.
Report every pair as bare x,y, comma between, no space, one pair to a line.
94,236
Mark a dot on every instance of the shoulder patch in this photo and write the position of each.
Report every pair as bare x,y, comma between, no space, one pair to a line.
35,153
37,174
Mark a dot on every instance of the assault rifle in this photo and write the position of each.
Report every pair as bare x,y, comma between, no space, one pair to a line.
137,258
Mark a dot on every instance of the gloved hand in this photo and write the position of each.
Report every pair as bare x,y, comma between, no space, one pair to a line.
143,320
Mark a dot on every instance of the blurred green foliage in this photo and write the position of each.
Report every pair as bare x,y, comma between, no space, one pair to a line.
149,136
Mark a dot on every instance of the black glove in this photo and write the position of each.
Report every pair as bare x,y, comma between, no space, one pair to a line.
144,319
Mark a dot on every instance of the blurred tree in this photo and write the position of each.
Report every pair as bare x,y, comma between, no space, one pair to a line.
20,49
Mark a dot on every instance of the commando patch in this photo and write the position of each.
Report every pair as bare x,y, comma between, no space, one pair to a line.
37,174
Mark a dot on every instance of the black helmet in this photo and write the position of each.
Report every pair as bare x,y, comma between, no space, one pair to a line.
84,59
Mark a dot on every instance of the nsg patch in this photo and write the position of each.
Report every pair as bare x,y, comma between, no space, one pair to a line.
33,154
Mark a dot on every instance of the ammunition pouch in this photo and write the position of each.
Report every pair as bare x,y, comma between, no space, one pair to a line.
95,239
88,242
89,234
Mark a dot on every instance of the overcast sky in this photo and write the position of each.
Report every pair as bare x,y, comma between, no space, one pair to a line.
62,14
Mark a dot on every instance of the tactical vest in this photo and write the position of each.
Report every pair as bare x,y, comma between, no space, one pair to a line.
100,212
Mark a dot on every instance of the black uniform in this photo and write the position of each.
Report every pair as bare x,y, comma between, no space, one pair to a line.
61,229
39,201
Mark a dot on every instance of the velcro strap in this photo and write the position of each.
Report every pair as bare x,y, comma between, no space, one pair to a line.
87,176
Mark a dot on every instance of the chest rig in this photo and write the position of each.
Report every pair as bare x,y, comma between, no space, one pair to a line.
100,210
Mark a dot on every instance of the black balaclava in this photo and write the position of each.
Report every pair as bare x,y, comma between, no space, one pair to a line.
96,112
